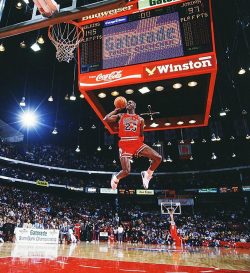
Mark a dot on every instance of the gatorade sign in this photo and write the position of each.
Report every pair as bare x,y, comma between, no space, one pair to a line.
143,4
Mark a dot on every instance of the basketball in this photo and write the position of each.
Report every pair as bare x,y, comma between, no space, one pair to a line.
120,102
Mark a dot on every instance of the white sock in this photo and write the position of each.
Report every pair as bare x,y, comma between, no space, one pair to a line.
150,172
116,179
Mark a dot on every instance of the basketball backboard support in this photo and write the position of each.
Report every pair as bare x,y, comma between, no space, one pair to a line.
167,207
30,19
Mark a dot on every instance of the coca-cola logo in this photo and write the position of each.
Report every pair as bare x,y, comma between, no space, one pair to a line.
109,77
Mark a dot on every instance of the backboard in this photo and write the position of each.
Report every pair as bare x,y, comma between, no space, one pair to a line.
167,207
18,17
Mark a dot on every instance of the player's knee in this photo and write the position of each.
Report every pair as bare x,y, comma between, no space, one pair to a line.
158,158
126,172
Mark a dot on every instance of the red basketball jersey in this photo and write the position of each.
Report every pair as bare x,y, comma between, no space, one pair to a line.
129,126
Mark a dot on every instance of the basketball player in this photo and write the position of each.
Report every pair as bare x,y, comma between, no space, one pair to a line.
131,128
47,8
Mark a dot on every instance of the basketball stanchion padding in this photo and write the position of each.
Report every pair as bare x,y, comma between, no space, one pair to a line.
66,37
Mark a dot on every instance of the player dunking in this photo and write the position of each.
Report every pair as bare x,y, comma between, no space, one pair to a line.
131,129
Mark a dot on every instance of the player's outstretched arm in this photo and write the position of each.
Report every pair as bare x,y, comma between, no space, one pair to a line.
113,116
47,8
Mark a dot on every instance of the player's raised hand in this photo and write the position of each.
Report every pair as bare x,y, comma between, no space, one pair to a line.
47,8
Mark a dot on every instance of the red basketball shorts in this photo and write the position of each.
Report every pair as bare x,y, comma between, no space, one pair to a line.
130,148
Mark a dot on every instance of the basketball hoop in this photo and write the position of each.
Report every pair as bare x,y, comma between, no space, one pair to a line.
66,37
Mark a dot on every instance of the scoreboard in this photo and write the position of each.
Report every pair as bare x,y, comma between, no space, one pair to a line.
167,32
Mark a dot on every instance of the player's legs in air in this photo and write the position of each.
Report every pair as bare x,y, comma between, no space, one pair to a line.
155,162
126,168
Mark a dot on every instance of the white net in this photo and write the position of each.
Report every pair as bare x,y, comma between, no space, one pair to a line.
66,37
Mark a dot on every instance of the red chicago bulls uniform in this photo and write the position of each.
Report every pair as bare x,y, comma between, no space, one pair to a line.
131,143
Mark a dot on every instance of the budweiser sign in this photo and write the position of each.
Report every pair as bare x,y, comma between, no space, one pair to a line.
109,77
198,63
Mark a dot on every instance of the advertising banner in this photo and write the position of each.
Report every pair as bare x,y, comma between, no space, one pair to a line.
108,191
182,201
145,192
37,236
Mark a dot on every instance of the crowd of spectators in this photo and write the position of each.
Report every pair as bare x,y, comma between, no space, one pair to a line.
46,210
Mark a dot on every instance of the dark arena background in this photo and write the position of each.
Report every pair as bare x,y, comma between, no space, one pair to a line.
186,64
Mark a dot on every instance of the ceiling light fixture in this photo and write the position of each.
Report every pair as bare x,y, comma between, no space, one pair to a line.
192,121
159,88
2,47
81,96
54,132
242,71
115,93
169,143
80,129
114,161
213,156
180,122
191,158
244,112
213,137
177,85
192,84
154,125
129,91
110,147
247,136
93,126
35,47
223,113
72,97
50,99
102,95
22,102
40,40
99,149
233,155
218,138
23,44
182,141
77,149
66,97
204,140
167,124
192,141
169,159
144,90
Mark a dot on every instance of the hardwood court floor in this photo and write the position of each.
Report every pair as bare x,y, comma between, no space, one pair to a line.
113,258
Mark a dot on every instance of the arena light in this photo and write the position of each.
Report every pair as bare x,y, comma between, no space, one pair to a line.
204,140
2,48
191,158
144,90
218,138
169,143
232,138
28,119
233,155
180,122
78,149
159,88
23,44
50,99
213,156
192,141
182,141
244,112
129,91
72,97
99,149
35,47
192,84
164,160
40,40
242,71
114,93
80,129
22,102
93,126
177,85
169,159
26,1
192,121
66,97
223,113
247,136
102,95
167,124
110,147
114,161
81,96
54,132
154,125
213,137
